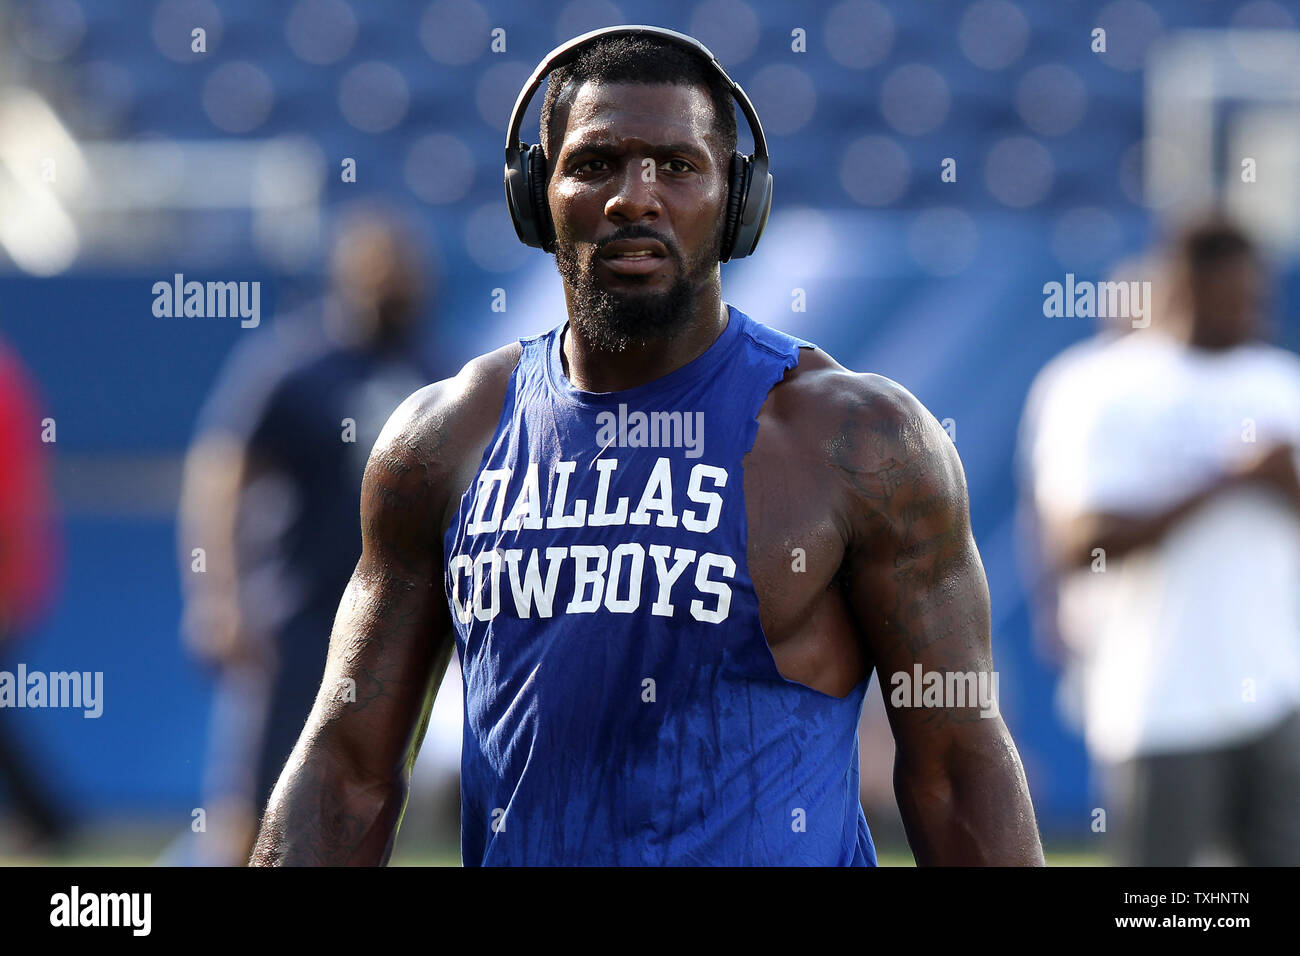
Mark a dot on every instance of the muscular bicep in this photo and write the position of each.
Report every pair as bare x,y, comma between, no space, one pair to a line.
917,588
921,604
927,606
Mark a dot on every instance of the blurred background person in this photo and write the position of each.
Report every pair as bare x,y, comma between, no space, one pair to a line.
271,495
27,570
1169,478
1058,597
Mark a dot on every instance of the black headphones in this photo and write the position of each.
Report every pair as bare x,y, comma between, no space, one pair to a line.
747,207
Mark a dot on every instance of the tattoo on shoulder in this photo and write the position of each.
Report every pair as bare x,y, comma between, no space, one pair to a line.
911,518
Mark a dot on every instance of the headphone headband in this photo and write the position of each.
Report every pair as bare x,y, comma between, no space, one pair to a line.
568,52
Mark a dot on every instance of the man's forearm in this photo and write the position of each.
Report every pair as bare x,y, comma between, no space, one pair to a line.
323,813
1116,535
974,810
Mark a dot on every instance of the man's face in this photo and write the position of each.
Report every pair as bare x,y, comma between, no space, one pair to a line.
637,197
1226,300
377,274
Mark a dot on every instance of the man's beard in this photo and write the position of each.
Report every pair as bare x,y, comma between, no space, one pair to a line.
614,321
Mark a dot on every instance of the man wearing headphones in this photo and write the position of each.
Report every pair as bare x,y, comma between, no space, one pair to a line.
669,543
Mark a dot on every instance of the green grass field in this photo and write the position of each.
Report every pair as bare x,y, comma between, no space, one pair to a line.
142,843
125,857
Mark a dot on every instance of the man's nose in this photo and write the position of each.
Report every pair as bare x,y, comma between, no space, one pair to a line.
635,197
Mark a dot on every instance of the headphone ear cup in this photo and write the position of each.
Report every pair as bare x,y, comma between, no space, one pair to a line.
735,194
537,190
758,197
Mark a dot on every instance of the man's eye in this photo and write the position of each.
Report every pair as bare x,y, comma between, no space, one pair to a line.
682,165
586,167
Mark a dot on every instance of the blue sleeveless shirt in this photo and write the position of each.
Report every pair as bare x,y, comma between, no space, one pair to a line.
622,706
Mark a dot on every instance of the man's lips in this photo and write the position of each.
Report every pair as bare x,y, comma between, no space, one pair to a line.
633,256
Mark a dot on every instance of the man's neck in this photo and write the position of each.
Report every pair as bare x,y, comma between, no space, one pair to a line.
596,370
1203,338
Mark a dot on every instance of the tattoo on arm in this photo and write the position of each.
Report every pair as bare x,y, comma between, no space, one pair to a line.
919,594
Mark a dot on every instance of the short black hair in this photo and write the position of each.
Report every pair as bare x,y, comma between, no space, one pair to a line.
1211,241
646,59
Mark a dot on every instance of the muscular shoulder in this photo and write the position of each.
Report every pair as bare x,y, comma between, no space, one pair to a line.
432,424
431,444
880,451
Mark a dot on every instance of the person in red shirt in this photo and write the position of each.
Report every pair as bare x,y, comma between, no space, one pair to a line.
28,558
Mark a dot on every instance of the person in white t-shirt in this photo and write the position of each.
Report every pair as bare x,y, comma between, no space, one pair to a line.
1080,366
1174,483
